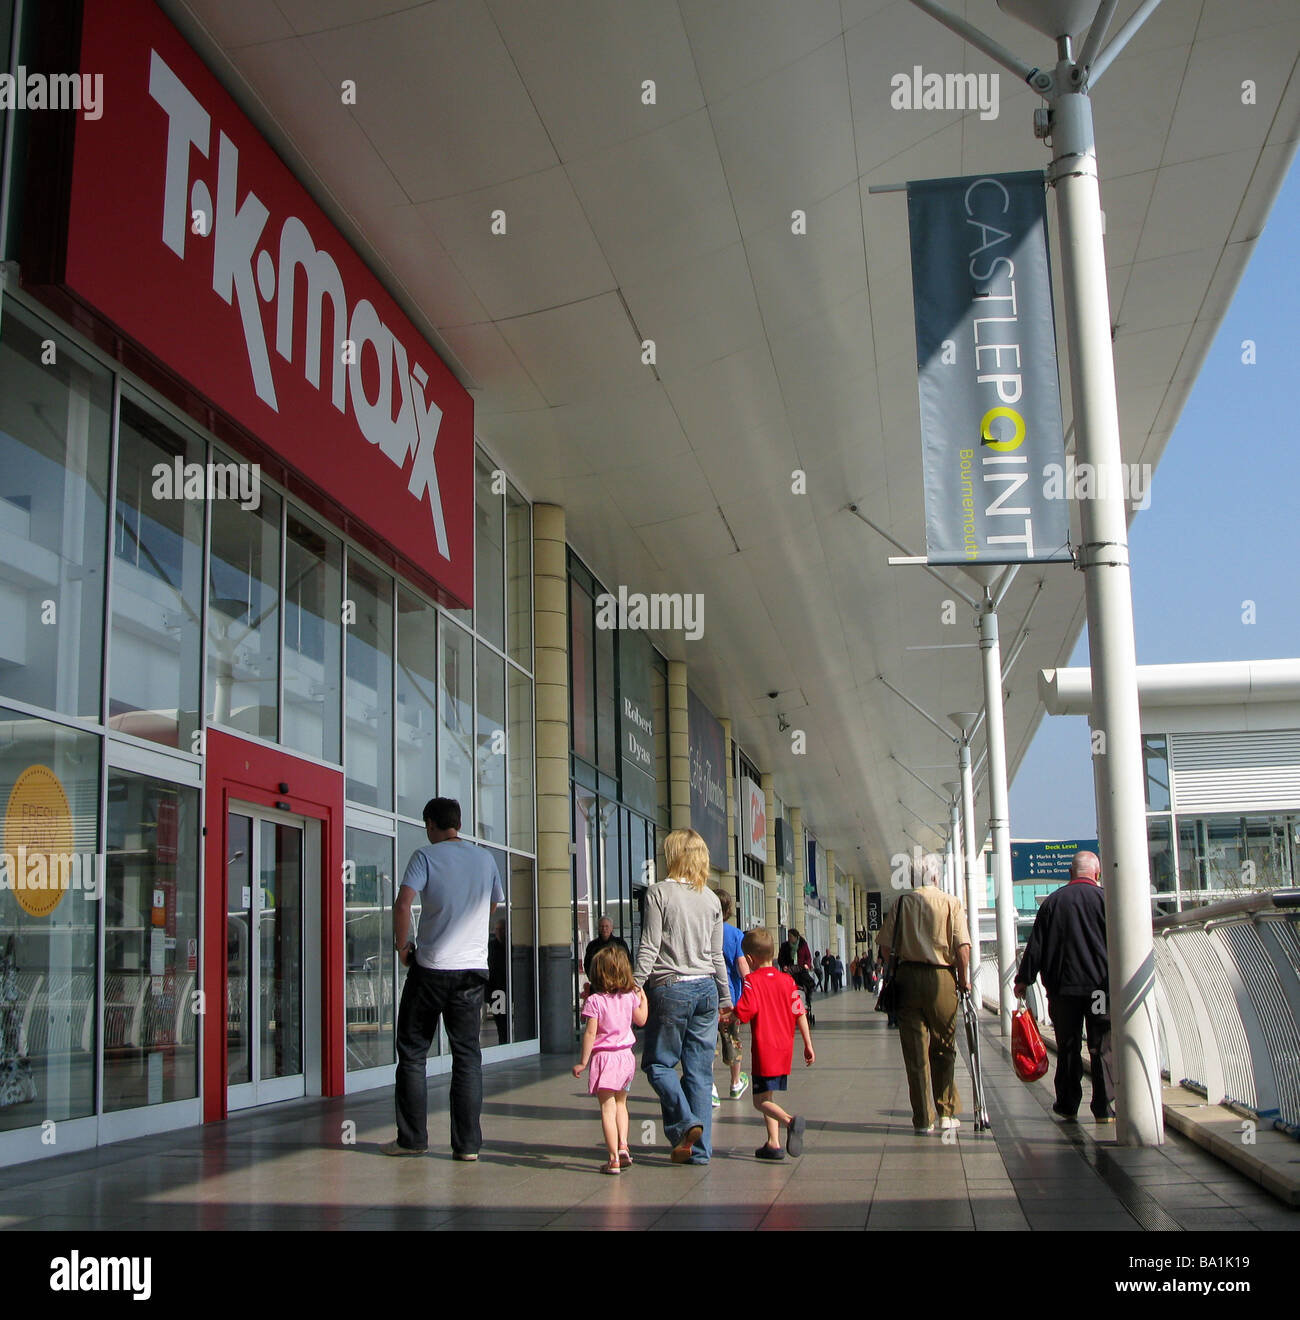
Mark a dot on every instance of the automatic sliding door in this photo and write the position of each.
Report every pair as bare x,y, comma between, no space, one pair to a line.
280,947
264,960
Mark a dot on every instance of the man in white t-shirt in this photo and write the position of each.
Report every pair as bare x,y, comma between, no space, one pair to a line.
458,886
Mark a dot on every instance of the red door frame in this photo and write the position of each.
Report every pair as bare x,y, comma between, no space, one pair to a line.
240,771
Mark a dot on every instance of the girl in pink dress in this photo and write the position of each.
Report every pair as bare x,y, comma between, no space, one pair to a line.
613,1008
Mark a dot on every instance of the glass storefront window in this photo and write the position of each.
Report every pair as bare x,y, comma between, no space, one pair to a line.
456,718
495,1027
489,553
606,724
54,454
151,932
633,875
244,613
586,874
521,759
519,578
523,941
1224,852
281,634
156,637
313,594
751,903
49,789
417,704
368,960
1155,760
659,699
491,741
369,699
1160,848
581,677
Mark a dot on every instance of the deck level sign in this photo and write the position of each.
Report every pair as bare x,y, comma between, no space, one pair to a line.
986,366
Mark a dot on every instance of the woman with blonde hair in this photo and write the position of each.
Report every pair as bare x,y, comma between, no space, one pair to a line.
681,967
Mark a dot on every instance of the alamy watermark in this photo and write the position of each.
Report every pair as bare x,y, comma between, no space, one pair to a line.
77,1273
658,611
1084,481
46,871
946,91
53,91
179,480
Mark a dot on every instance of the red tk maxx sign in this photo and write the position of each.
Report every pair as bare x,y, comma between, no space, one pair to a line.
191,236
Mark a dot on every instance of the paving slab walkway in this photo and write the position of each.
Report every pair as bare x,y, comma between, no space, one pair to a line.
314,1164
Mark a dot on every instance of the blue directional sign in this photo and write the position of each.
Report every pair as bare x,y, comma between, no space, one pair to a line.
1046,861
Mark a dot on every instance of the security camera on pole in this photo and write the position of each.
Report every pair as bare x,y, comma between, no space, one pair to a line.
1103,555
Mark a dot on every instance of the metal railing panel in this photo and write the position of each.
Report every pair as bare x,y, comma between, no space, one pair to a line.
1184,1025
1214,980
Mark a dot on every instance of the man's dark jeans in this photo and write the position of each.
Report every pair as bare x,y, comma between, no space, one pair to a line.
1070,1015
456,997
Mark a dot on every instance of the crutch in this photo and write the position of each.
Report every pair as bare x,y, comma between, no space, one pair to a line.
971,1016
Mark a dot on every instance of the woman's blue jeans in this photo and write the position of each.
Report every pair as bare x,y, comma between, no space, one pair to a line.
683,1028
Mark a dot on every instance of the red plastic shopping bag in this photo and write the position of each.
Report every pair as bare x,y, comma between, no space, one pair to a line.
1028,1053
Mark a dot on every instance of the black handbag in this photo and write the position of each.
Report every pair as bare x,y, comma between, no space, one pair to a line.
888,999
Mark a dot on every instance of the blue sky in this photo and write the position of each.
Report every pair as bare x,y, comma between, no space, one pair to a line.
1221,529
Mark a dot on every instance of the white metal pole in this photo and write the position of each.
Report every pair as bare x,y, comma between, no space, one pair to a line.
999,812
1112,651
957,851
953,788
974,881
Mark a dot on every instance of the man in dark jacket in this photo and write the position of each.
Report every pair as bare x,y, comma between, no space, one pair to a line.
604,938
1068,949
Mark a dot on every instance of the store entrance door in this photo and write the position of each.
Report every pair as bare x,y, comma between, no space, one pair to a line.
272,866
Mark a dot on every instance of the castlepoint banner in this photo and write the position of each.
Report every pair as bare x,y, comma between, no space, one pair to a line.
986,365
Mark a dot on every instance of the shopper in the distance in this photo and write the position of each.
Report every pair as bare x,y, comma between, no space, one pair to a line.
604,938
737,970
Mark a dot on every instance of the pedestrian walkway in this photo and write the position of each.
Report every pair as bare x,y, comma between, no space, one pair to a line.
314,1164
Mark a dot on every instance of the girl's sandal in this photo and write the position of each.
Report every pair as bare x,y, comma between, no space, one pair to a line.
624,1158
611,1167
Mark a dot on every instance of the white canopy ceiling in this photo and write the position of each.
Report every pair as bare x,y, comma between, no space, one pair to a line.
776,353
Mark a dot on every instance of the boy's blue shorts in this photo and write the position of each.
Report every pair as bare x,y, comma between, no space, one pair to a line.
762,1084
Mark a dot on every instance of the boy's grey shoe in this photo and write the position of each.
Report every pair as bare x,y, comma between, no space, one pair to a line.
794,1136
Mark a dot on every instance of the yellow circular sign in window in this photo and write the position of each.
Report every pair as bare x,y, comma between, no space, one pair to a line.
38,840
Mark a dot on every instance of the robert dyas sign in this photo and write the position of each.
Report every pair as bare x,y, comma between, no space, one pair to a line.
986,363
188,234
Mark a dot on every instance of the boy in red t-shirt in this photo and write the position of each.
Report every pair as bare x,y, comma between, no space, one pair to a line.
772,1001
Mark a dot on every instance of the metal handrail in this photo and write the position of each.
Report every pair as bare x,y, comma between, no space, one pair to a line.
1272,902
